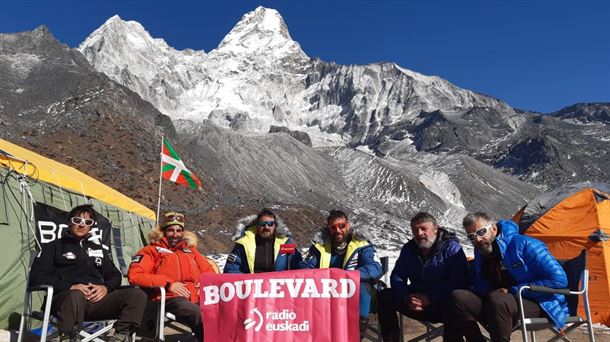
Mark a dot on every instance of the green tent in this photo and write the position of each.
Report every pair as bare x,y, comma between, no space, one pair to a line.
34,192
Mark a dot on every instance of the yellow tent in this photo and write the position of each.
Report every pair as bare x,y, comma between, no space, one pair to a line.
37,167
32,186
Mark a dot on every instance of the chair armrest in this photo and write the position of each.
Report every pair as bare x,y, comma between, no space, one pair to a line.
544,289
163,292
40,288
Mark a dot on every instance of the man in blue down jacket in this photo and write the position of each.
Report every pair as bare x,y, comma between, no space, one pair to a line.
504,261
429,268
341,245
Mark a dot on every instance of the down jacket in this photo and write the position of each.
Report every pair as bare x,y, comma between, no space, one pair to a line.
241,258
360,254
159,265
69,261
445,269
529,262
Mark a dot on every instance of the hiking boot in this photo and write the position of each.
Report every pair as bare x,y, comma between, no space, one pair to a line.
364,324
120,337
391,336
63,337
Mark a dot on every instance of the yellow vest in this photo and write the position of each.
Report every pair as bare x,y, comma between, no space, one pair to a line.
326,251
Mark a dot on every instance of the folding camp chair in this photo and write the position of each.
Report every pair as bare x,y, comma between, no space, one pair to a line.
45,315
576,272
167,319
47,319
432,331
374,329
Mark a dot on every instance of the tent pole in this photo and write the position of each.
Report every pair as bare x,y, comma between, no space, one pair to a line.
160,178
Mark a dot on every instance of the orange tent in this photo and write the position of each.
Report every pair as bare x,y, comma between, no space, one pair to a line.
569,219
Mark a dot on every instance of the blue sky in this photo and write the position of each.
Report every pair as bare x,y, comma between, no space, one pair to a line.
538,55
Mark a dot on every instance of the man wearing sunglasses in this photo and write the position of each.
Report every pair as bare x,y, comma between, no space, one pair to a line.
86,282
260,245
429,268
341,245
504,261
172,261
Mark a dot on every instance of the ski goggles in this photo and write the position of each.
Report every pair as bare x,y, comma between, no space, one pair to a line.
266,223
172,218
79,220
479,232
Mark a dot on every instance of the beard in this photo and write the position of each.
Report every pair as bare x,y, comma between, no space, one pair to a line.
487,248
174,241
266,234
339,239
424,243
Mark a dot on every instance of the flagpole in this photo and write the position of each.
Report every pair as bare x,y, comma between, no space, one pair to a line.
160,178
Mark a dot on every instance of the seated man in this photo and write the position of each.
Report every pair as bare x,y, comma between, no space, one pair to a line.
504,261
429,268
258,246
341,246
172,260
86,281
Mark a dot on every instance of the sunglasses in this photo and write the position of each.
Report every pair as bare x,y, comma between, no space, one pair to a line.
266,223
479,232
339,226
174,217
79,220
177,230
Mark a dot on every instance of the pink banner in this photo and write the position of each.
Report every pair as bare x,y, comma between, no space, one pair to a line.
304,305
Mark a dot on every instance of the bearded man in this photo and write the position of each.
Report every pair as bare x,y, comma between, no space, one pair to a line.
342,245
504,261
429,268
261,244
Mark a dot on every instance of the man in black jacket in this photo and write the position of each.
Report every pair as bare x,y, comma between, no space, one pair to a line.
86,281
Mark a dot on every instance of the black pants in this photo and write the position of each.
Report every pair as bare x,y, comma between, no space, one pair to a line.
498,312
186,312
72,309
388,321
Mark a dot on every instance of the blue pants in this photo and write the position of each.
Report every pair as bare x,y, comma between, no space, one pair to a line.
366,297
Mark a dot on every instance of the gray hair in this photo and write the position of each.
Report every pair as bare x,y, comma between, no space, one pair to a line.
423,216
470,219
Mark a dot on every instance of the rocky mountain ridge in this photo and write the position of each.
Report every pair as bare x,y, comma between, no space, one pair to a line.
259,77
431,154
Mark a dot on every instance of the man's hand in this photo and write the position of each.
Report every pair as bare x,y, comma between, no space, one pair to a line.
503,290
82,288
97,292
418,302
180,289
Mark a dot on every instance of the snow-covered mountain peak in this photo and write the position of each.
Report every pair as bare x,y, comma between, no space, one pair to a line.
128,54
261,32
129,35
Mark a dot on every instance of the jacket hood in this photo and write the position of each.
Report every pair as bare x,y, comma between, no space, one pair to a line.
156,234
357,231
507,229
281,230
443,237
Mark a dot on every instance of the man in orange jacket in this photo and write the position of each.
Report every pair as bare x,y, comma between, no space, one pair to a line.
172,261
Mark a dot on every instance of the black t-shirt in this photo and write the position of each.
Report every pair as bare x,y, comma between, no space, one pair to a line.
494,271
